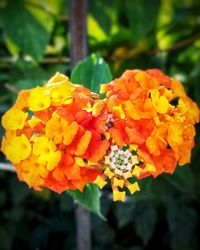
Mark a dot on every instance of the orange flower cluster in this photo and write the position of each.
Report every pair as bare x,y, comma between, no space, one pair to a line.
62,136
153,119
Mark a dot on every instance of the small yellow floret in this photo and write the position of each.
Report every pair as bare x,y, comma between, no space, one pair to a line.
14,119
109,173
100,182
136,171
133,187
118,183
118,196
17,149
127,175
38,99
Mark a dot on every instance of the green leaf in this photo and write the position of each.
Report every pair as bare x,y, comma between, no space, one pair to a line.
89,198
144,221
26,31
91,72
182,221
142,17
107,13
182,179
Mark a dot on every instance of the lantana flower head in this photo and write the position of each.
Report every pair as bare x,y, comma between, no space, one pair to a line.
150,127
52,139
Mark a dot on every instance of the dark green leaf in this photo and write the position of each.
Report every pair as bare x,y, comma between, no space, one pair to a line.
181,180
142,16
91,72
89,198
182,221
124,212
144,220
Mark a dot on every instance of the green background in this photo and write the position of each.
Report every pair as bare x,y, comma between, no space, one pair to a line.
34,44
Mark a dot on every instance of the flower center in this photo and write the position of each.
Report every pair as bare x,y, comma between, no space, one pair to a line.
120,160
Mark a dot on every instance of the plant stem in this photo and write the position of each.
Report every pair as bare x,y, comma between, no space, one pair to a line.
78,28
78,51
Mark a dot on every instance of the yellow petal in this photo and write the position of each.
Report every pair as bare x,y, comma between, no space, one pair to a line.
162,105
53,160
118,196
107,135
88,107
118,183
14,119
58,77
136,171
17,149
34,121
61,92
149,168
120,111
133,187
41,146
134,159
53,128
80,162
70,132
100,182
109,173
127,175
39,99
133,147
97,108
132,111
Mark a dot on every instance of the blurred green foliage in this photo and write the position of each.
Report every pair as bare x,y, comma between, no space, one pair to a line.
34,42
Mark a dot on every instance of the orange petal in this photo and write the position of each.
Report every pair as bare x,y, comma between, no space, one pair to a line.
83,143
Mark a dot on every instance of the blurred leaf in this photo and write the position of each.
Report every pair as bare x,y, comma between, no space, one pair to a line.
181,180
144,220
20,192
124,212
142,17
104,234
5,239
89,198
28,74
182,221
39,237
105,19
151,190
51,6
92,72
25,30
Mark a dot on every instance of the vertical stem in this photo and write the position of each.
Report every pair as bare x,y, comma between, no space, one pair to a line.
78,31
78,51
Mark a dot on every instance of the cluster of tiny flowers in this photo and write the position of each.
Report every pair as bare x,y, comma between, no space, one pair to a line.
62,136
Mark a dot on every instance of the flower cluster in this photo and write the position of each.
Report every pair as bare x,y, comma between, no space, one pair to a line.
52,138
62,136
